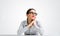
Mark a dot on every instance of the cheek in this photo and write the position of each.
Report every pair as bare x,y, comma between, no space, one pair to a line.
30,16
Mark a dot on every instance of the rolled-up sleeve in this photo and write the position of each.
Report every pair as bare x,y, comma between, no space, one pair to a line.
21,29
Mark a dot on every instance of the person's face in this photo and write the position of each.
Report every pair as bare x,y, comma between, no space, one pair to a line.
32,15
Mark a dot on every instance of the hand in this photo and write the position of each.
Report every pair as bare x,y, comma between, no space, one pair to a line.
31,24
35,24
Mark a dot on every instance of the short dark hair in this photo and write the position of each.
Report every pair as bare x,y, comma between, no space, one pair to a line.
29,10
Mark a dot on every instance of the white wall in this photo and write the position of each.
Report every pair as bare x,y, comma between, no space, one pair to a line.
12,12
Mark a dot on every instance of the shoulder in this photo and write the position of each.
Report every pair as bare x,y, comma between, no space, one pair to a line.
23,22
38,23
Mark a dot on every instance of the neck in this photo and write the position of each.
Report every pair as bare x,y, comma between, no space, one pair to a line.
28,21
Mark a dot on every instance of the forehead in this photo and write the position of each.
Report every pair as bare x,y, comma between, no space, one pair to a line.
33,11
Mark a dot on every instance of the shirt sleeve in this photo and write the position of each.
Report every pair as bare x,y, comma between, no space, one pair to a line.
39,28
21,29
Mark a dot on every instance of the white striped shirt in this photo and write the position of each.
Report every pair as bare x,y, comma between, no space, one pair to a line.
36,29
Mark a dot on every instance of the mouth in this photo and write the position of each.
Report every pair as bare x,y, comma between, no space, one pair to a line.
33,17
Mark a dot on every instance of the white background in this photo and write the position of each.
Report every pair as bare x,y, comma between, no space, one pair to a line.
12,12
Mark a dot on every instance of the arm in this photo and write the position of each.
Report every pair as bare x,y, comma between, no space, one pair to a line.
39,28
21,29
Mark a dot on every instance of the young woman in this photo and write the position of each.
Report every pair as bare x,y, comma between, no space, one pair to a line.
30,26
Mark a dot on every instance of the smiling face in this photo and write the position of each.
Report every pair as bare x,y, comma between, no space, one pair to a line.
32,14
